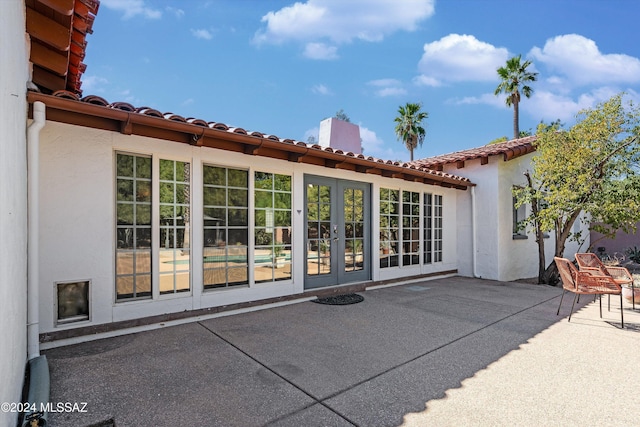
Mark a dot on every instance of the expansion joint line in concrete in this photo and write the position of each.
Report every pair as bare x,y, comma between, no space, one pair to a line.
314,398
400,365
378,375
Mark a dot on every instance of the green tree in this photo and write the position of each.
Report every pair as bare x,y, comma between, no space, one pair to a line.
341,115
590,168
514,78
409,128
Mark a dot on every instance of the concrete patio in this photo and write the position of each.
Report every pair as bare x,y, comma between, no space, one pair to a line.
447,352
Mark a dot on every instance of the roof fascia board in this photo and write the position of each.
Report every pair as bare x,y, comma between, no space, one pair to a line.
127,122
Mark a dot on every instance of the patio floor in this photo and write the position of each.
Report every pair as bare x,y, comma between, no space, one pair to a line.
446,352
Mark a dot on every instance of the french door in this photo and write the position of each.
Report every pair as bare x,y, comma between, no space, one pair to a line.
337,232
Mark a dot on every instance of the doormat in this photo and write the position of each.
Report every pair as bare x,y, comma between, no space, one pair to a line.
340,299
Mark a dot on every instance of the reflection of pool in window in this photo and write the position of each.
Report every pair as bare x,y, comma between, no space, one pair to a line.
259,259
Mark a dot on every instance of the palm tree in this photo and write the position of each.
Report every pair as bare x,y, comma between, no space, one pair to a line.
514,80
409,125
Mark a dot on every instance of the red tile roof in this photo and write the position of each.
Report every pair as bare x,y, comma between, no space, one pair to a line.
57,30
94,111
509,150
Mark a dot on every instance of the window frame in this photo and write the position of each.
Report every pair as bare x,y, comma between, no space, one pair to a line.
223,244
135,226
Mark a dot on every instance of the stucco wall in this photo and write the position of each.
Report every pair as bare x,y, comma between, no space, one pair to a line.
620,243
487,217
498,255
77,221
13,204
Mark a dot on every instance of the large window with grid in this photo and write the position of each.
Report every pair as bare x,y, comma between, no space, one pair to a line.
389,227
174,254
432,224
437,228
432,228
427,244
133,227
410,228
272,204
226,226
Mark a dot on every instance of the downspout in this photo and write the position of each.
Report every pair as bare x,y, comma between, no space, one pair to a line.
473,231
33,276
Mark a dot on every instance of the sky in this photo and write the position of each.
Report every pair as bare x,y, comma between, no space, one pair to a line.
280,67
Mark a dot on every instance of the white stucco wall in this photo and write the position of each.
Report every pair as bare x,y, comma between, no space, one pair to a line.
499,255
77,222
487,217
13,204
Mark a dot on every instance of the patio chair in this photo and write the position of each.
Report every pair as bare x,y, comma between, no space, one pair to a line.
589,282
619,274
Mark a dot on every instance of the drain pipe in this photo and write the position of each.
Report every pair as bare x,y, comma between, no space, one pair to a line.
33,278
473,231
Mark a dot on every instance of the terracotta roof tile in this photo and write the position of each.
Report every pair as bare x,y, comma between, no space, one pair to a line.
509,150
420,165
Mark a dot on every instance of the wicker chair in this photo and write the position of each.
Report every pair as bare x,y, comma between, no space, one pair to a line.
588,282
590,261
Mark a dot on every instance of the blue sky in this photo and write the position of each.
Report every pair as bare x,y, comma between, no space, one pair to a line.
280,67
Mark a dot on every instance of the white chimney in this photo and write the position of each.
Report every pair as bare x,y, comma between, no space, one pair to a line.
340,135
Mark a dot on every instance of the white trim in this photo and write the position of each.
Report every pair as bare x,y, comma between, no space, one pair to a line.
154,326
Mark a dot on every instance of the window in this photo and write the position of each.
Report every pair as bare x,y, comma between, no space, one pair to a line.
354,206
174,255
272,253
410,228
519,215
72,302
428,229
437,228
133,227
389,227
226,226
432,234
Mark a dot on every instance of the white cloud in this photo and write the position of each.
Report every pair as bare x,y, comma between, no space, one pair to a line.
547,105
132,8
486,99
423,80
202,34
342,21
186,102
550,106
581,62
388,87
371,143
391,91
179,13
385,82
320,51
321,89
313,132
459,57
93,84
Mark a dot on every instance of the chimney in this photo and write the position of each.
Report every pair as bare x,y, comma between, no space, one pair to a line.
340,135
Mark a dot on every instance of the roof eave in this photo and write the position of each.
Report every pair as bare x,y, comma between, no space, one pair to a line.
135,123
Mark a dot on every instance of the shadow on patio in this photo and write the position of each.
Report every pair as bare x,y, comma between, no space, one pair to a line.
473,351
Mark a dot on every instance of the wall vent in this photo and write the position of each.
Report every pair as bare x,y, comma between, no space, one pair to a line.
72,301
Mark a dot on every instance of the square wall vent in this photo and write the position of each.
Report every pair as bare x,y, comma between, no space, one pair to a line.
72,300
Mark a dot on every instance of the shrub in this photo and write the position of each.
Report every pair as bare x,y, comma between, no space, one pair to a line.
634,254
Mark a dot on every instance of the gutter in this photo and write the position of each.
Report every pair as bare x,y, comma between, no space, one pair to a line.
33,274
153,124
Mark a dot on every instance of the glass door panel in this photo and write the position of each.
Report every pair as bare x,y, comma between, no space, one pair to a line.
337,235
